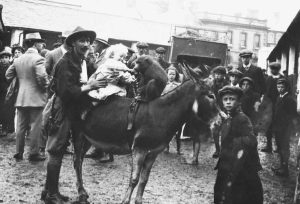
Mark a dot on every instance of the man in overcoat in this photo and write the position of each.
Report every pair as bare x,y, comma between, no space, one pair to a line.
32,97
237,179
252,71
272,94
71,88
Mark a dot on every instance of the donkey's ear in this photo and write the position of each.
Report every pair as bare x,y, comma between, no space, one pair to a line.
184,72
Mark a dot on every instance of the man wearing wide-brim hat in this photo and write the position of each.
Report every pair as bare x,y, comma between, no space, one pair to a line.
33,81
272,93
160,55
252,71
71,88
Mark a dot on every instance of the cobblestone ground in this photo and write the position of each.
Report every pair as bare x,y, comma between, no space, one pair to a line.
172,181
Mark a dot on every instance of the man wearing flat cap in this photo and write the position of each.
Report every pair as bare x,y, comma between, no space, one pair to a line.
71,87
272,94
218,82
160,56
237,178
142,49
252,71
33,81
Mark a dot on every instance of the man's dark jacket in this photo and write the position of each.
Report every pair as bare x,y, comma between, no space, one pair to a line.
256,74
68,86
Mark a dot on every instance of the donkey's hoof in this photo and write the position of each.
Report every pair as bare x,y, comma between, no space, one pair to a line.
82,199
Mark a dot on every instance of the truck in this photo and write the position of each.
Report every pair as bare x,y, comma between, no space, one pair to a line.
197,51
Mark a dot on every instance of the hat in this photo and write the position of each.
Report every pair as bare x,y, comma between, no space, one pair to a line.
230,90
33,37
219,69
5,52
235,72
246,53
15,47
79,32
142,45
283,81
130,50
104,42
160,50
246,79
275,65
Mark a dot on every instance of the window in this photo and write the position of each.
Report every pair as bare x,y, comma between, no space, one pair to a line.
271,38
256,41
243,40
229,37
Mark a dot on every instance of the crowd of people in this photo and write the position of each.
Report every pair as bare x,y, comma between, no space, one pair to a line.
84,67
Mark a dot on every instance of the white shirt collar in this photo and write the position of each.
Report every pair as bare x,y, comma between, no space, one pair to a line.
83,74
247,66
282,95
63,49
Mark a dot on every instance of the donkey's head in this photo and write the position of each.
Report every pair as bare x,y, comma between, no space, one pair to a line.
204,107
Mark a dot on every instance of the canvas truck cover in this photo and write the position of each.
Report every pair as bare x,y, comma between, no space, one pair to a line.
210,53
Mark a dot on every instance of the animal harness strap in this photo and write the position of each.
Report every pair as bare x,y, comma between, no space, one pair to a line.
132,113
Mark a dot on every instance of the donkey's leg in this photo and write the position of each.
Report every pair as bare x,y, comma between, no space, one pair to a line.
178,141
81,146
148,163
138,157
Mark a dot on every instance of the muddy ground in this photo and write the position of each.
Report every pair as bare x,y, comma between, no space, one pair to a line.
172,181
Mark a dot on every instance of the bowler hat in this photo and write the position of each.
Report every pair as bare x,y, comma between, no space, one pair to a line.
160,50
275,65
142,45
5,52
79,32
230,90
33,37
104,42
246,53
219,69
246,79
235,72
16,47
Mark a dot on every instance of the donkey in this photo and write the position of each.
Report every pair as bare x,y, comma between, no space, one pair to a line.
155,124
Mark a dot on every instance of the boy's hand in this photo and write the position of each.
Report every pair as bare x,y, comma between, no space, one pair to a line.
97,83
256,106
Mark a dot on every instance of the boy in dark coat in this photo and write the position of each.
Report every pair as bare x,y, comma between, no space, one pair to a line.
237,179
251,99
284,116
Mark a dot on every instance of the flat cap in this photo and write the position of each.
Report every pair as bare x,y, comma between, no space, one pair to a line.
130,50
104,42
142,45
246,53
283,81
275,65
5,52
219,69
160,50
235,72
250,80
231,90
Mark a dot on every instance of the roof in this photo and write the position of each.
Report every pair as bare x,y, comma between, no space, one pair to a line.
38,14
291,35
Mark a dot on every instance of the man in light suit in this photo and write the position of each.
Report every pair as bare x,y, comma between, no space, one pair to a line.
31,99
53,56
